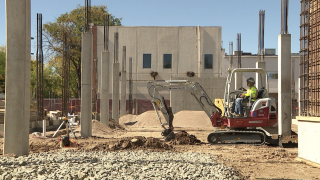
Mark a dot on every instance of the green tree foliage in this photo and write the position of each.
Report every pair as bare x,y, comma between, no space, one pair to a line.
2,67
72,25
51,78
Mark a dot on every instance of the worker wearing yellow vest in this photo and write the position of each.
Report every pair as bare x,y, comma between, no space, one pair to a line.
251,93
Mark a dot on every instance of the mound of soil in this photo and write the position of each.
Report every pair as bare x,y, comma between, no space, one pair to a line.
191,119
113,124
43,145
127,143
149,119
183,138
127,120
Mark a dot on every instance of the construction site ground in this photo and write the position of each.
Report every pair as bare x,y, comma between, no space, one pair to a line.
143,132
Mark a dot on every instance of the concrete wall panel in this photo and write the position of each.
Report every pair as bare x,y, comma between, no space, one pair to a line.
309,135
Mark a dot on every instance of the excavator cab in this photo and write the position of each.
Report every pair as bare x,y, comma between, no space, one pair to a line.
232,92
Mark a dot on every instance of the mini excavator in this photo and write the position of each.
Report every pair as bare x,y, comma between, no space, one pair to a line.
230,129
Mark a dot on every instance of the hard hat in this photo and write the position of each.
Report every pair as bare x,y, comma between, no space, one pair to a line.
250,80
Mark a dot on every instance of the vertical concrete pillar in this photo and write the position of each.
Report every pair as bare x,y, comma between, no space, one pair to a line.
299,97
238,80
123,103
200,63
123,84
115,92
115,78
260,79
44,127
86,93
284,84
105,82
17,112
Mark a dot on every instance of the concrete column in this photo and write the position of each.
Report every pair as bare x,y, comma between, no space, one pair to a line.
123,84
284,84
115,92
200,63
238,80
17,112
299,97
105,83
86,93
44,128
123,103
260,80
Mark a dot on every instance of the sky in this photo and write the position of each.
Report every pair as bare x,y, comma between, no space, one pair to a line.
234,16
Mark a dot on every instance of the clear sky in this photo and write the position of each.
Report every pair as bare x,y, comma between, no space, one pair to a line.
234,16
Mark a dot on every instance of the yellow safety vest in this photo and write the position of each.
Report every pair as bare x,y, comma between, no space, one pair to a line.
253,91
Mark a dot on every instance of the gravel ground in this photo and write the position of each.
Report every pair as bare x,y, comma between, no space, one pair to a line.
115,165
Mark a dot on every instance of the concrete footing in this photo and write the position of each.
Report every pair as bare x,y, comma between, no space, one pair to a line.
86,93
17,112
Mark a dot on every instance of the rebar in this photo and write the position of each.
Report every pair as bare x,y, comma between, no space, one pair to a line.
310,58
261,52
231,54
130,86
39,64
106,32
87,14
284,16
116,47
239,50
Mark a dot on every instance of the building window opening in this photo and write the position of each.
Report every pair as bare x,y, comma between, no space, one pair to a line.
272,75
167,61
208,61
146,60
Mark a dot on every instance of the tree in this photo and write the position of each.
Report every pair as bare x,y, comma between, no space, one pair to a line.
72,25
2,67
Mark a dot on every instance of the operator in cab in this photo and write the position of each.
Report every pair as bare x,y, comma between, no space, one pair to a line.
251,92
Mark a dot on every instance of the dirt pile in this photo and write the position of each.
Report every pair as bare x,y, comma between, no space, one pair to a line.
127,143
112,124
43,145
191,119
127,120
183,138
194,119
149,119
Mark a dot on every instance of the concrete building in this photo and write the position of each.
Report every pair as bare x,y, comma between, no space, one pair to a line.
174,51
168,51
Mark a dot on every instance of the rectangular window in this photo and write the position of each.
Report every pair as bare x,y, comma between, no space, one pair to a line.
167,61
272,75
208,61
146,60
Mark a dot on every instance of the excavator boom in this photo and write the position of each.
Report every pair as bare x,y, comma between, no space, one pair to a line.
159,103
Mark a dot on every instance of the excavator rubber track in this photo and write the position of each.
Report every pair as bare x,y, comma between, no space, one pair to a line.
253,137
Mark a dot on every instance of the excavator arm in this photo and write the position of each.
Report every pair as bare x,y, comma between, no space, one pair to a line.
158,101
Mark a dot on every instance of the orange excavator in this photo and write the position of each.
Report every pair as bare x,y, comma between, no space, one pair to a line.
230,129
